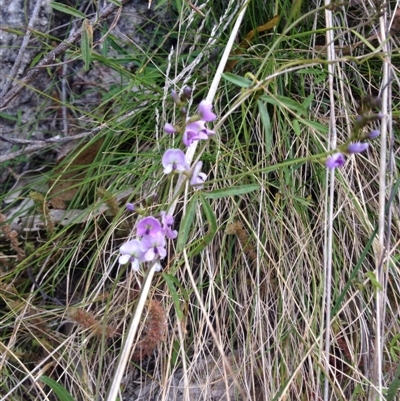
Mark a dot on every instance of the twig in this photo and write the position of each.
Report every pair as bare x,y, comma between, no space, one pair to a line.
37,144
40,144
33,73
21,53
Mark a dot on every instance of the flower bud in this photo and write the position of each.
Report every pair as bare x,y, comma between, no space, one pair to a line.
373,134
130,207
175,97
187,92
357,147
169,128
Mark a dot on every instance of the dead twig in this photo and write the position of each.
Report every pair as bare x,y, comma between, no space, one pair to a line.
33,73
22,49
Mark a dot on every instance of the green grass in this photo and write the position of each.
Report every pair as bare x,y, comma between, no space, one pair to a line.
248,311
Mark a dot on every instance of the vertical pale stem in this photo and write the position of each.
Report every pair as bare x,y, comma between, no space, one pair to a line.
130,337
376,392
329,197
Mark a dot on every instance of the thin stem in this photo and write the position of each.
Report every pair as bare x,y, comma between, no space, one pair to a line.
329,199
130,337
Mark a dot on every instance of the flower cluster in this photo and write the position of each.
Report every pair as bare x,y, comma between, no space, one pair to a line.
193,129
150,245
358,142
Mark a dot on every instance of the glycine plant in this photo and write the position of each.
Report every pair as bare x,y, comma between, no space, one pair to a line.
152,232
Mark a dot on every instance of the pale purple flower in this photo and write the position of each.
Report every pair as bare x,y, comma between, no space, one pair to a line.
174,160
357,147
169,128
198,178
130,207
148,226
131,252
336,160
194,132
374,134
153,247
167,222
205,108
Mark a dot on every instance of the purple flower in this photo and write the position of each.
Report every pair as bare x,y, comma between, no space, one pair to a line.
336,160
357,147
194,132
153,247
374,134
205,108
198,178
174,160
131,252
167,222
148,226
130,207
169,128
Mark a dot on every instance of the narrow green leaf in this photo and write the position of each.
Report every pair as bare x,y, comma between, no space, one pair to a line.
296,127
394,386
59,390
315,125
8,117
237,80
266,122
67,10
212,223
184,228
14,31
171,282
375,283
231,191
86,43
283,101
307,102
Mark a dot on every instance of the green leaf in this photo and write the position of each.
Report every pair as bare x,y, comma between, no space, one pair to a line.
86,43
8,117
283,101
307,102
67,10
394,386
375,283
231,191
315,125
266,122
212,222
184,228
116,2
296,127
171,282
237,80
59,390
